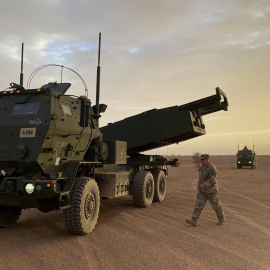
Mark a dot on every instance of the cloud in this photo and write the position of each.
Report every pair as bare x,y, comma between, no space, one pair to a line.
134,50
59,51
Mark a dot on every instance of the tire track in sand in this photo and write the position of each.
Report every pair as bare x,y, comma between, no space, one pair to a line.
88,253
249,221
249,199
183,254
239,194
246,219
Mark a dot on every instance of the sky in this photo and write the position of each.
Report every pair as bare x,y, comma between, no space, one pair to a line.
154,54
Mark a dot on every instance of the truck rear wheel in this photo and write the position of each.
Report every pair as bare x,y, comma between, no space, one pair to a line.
9,215
160,185
143,189
82,217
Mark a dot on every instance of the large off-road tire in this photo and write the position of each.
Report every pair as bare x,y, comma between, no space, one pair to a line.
9,215
143,189
82,217
160,185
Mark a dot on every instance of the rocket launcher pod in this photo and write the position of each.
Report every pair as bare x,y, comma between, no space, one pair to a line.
160,127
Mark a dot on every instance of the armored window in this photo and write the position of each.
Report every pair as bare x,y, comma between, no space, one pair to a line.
26,108
66,109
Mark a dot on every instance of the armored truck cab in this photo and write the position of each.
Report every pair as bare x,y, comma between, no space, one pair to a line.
246,158
43,129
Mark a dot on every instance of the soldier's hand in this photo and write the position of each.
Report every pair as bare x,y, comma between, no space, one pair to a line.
202,186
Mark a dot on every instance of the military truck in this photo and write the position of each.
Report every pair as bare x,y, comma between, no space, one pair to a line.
54,155
246,158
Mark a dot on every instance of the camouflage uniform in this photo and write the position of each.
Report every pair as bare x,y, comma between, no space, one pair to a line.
207,176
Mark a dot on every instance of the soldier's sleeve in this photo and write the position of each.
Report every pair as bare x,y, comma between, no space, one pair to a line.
212,176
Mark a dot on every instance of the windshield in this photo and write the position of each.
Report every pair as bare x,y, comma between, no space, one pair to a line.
26,108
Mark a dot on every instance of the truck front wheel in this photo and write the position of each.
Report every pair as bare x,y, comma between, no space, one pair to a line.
82,217
143,189
9,215
160,185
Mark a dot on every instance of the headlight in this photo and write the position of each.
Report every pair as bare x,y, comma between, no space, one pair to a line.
249,162
238,162
29,188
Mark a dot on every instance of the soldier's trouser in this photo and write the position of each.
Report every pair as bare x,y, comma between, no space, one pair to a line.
213,198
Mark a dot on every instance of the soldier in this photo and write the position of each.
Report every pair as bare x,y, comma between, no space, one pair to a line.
207,190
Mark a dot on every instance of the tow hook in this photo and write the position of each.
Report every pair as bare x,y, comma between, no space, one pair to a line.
10,185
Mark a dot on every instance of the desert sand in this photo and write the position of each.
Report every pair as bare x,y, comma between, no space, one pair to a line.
127,237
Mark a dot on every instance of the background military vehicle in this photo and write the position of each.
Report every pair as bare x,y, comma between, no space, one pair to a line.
246,158
53,155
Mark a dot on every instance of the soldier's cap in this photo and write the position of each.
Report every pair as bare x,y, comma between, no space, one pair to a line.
204,156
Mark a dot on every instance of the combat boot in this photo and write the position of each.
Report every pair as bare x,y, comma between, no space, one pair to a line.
221,221
192,221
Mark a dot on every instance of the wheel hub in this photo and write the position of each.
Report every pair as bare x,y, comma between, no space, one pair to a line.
162,186
148,189
90,205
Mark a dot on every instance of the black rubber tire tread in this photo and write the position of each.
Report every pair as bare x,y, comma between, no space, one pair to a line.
74,218
159,175
9,215
139,189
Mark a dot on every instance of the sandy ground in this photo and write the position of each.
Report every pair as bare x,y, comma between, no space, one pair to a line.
157,237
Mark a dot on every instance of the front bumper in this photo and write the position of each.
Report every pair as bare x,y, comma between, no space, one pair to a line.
13,192
244,163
